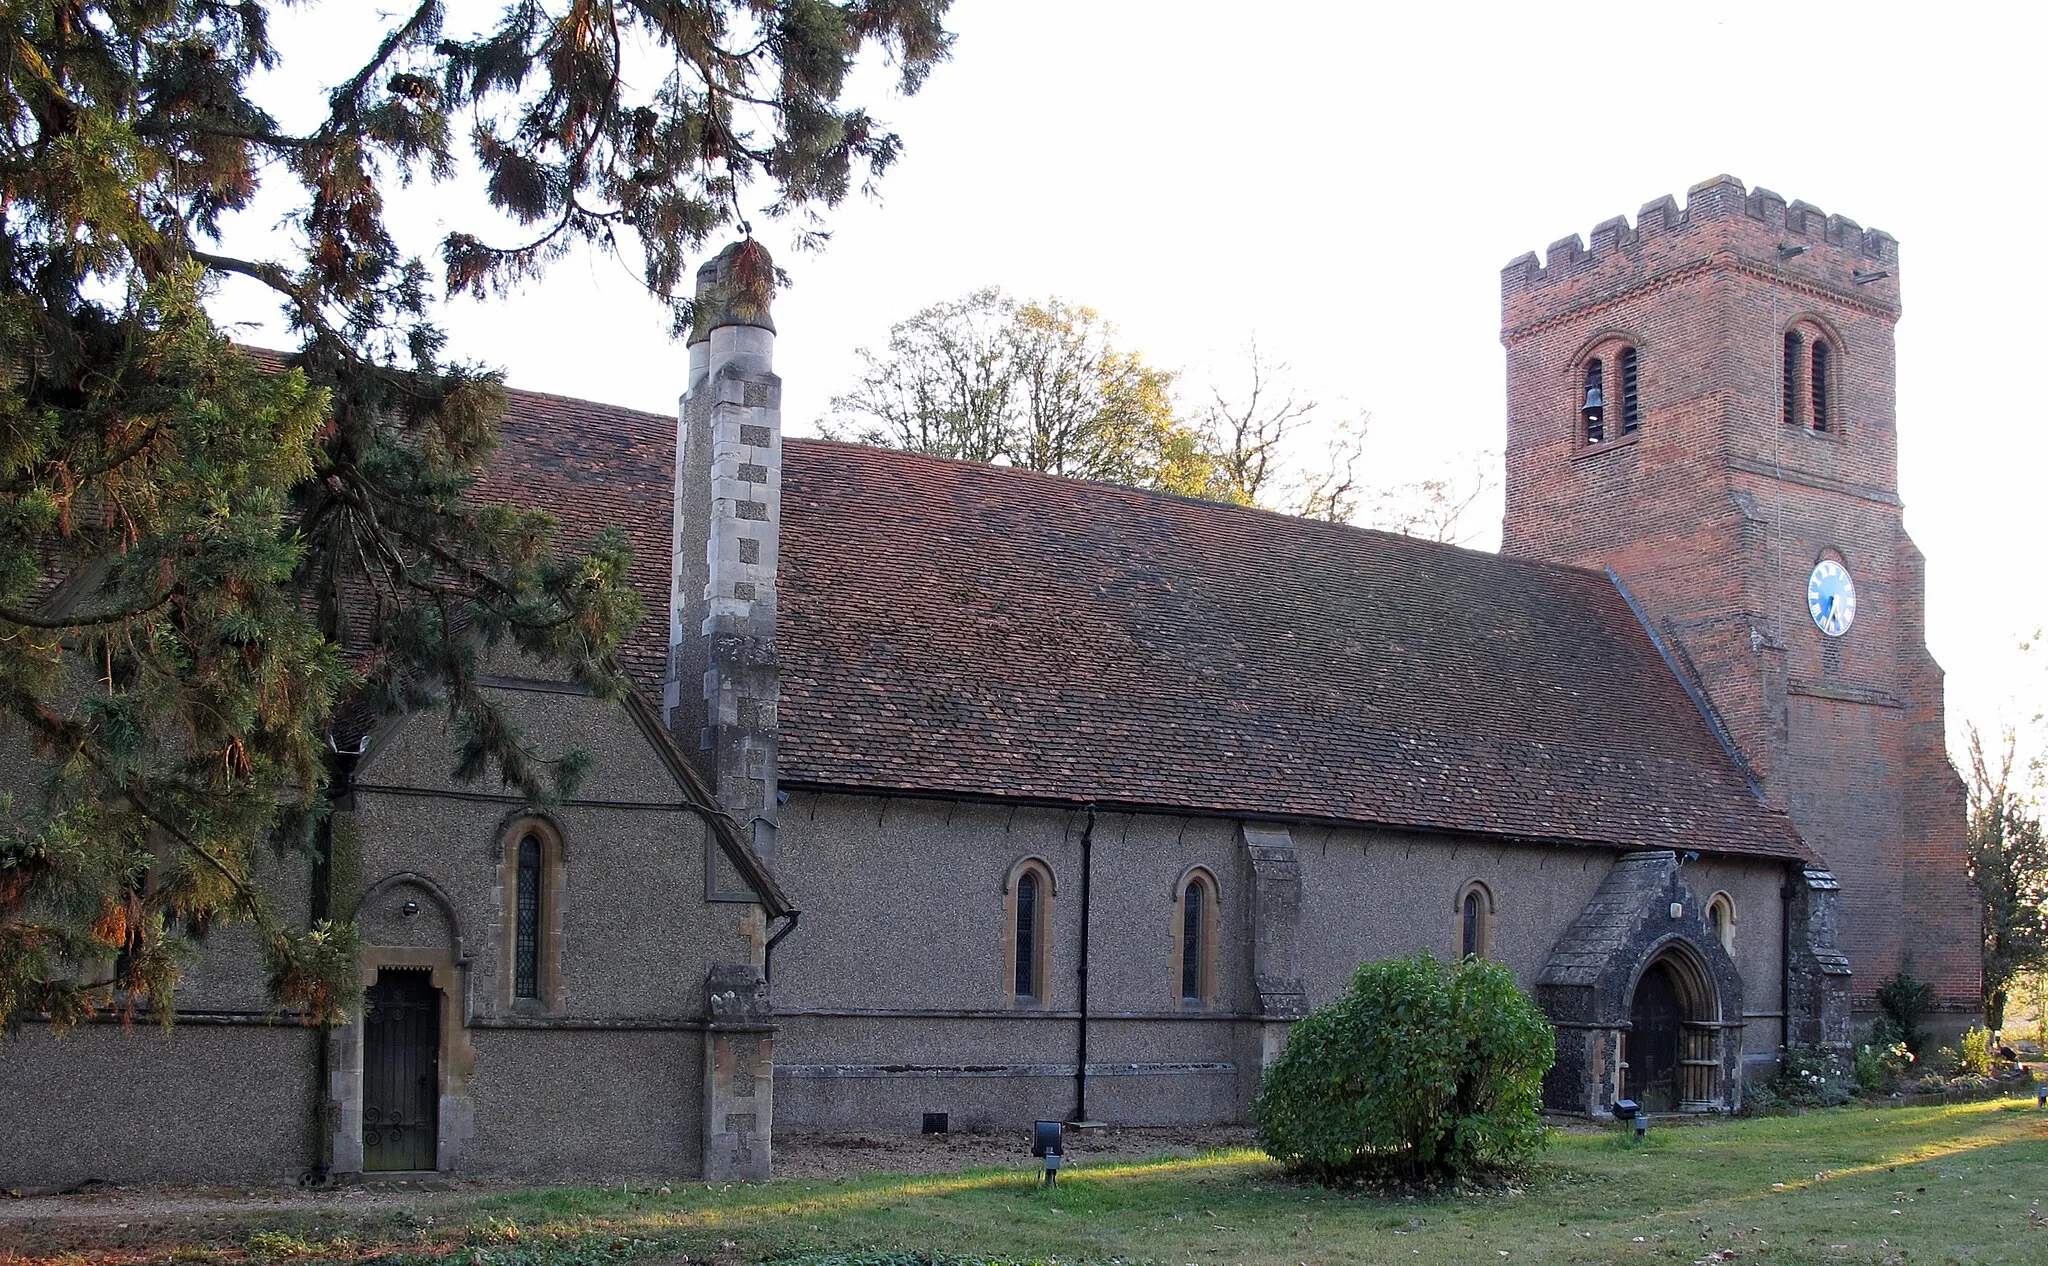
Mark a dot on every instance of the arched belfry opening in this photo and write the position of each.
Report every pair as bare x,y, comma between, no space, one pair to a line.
1670,1056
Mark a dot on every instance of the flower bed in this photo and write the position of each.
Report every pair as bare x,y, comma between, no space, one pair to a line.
1958,1089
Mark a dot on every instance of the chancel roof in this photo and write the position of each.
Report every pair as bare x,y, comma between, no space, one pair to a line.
957,629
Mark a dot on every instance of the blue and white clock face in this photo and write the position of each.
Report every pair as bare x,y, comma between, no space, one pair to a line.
1831,597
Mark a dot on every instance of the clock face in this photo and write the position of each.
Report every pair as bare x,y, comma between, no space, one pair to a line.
1831,597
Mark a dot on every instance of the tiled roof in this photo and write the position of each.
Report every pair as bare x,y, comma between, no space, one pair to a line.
984,631
992,631
595,466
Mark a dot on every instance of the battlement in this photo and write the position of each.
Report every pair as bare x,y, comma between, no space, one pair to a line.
1793,240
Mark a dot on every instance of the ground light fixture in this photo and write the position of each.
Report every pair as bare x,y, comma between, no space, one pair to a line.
1045,1142
1629,1109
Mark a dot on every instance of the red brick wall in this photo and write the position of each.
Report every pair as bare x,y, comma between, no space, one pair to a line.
1715,512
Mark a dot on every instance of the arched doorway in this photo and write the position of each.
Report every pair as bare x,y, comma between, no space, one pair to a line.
1672,1052
401,1071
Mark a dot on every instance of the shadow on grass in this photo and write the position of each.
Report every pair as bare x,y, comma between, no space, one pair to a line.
1949,1180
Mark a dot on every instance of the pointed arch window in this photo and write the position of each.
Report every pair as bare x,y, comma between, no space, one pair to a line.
1027,933
1025,960
1810,387
1721,918
1607,390
1196,907
1475,921
533,878
526,937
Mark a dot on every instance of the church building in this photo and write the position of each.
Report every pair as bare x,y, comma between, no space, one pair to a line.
1038,798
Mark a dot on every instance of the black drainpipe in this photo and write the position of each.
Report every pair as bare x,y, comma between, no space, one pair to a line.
1081,972
320,905
768,952
1785,895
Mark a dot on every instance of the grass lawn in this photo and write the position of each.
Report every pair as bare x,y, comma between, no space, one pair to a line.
1894,1187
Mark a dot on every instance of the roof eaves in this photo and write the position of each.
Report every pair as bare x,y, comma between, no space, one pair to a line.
1794,849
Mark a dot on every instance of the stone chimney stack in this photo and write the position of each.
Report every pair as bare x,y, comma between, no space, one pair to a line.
723,681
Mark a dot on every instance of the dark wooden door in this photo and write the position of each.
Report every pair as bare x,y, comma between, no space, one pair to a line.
1653,1042
401,1071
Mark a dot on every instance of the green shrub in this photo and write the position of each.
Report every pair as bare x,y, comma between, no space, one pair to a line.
1881,1059
1975,1053
1421,1071
1906,1000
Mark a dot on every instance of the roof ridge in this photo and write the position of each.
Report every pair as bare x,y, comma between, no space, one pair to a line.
530,394
1324,525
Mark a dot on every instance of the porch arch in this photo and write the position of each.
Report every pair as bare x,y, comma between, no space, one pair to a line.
1670,1050
1642,924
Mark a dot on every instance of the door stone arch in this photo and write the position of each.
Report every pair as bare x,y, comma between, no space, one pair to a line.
1669,1052
1643,923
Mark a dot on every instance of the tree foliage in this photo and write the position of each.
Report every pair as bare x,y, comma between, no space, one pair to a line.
2009,862
1038,384
202,551
1041,384
1420,1071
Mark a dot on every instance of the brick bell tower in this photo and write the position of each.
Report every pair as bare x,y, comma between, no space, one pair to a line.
1705,404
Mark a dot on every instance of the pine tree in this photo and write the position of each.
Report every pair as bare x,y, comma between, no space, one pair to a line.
202,551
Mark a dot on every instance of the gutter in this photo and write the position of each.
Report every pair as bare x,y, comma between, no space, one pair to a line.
1143,808
320,904
1785,895
1081,972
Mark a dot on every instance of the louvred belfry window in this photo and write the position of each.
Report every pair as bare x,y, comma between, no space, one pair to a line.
526,939
1820,385
1792,346
1630,418
1593,410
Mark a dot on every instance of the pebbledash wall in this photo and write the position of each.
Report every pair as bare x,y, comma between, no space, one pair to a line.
604,1069
1716,509
227,1093
899,1002
604,1074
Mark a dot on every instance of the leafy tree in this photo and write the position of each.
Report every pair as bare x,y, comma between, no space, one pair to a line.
201,551
2009,862
1037,384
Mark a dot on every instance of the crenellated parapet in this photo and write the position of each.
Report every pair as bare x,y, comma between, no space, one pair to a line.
1721,224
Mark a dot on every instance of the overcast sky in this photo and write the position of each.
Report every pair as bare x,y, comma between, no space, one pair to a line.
1344,181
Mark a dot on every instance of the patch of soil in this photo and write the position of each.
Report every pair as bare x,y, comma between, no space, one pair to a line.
120,1223
812,1154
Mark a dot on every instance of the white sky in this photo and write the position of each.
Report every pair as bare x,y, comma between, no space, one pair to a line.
1345,183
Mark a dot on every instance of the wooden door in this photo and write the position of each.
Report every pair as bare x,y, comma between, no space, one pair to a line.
401,1071
1653,1041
